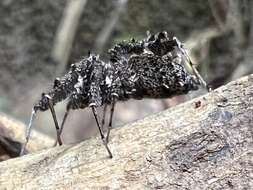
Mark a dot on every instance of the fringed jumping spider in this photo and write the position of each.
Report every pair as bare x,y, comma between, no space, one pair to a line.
150,68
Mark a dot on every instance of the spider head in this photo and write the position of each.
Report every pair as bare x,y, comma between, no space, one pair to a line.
43,103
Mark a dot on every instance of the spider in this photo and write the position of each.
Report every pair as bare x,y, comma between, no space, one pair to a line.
149,68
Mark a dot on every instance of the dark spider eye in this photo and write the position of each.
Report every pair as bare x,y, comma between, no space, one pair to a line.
151,38
162,35
57,82
73,67
45,100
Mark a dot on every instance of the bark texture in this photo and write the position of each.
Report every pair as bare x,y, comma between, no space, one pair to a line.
206,143
12,133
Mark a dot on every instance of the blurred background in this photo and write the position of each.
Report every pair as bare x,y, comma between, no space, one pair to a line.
40,39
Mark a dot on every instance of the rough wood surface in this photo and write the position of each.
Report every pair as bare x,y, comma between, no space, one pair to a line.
206,143
12,133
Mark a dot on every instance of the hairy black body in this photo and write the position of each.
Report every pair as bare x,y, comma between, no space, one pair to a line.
151,68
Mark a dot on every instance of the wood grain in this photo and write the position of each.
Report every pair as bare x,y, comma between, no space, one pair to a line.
206,143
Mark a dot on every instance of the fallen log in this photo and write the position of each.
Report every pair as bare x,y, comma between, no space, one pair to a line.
205,143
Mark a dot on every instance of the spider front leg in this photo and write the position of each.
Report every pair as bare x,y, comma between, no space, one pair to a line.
94,110
28,131
51,107
180,46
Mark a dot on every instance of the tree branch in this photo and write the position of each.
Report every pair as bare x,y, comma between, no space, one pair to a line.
205,143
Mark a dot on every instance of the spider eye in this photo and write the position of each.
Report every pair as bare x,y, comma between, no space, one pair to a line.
73,67
57,82
43,104
45,100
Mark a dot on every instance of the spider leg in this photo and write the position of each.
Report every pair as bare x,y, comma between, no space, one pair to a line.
63,121
28,132
195,71
111,117
51,107
201,80
103,117
100,131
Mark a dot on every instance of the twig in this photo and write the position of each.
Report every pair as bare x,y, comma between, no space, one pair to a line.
109,26
216,14
66,33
